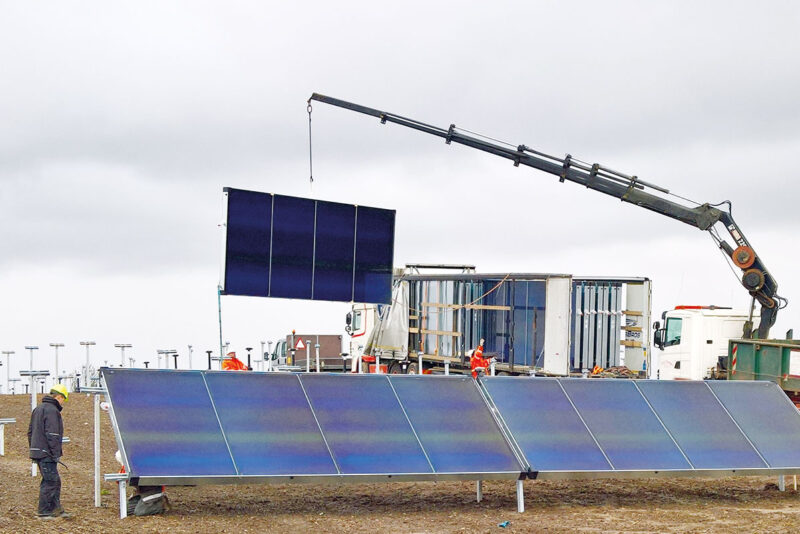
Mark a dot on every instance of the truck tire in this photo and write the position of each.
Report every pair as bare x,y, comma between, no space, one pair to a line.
395,368
412,369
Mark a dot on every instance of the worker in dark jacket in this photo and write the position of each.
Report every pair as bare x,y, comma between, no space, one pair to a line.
45,433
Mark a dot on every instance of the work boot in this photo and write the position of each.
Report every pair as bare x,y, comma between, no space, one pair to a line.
46,517
60,512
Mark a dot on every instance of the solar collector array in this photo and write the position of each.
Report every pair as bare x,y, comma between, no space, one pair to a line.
289,426
574,427
189,427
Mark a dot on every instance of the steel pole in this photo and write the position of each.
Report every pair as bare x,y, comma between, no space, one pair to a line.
97,502
56,346
8,354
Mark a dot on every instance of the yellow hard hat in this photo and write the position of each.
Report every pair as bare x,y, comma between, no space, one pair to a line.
60,389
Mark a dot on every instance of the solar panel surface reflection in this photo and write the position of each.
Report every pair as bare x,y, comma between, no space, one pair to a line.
454,424
545,425
167,423
700,425
767,417
624,425
364,424
269,424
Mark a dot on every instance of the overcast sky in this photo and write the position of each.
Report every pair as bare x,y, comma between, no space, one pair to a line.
121,124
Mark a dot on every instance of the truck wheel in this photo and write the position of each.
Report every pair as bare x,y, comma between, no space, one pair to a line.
412,369
395,368
502,373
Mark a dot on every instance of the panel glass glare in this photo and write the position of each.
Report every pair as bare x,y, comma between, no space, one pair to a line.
167,423
269,424
545,425
700,425
364,424
247,248
624,425
374,255
766,416
454,424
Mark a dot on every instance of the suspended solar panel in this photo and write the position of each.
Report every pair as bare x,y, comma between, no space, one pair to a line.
290,247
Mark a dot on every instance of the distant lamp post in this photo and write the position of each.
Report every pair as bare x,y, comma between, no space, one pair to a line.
86,376
166,353
30,368
56,347
8,354
122,347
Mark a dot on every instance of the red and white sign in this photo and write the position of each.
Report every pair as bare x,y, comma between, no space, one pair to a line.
299,345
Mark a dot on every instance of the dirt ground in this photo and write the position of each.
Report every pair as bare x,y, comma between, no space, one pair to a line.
736,504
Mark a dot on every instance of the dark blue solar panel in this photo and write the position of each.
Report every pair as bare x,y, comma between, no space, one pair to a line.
292,247
700,426
167,423
269,424
454,424
545,425
624,425
766,416
364,424
333,260
248,243
374,255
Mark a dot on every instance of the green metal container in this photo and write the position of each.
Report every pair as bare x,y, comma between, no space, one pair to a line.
777,360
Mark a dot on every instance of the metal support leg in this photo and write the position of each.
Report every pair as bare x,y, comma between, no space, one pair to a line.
97,502
479,490
447,367
2,440
520,498
781,483
123,499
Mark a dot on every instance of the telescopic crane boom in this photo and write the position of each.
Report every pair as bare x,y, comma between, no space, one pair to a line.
755,277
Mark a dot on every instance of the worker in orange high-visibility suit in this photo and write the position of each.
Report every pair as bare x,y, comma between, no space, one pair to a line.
233,363
477,362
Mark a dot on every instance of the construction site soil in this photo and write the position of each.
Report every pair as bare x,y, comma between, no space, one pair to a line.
735,504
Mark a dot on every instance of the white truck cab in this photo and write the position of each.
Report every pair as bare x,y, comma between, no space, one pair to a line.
693,341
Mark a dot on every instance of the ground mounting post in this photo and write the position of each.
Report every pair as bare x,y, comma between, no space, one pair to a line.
97,502
520,498
3,423
479,490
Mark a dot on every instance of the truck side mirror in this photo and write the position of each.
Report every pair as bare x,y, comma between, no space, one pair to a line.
348,319
658,337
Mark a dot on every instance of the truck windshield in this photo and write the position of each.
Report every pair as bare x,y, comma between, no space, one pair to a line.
673,334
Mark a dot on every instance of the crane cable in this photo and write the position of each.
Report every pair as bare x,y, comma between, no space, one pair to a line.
310,158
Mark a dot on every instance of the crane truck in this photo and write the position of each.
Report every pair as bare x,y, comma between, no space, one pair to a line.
756,279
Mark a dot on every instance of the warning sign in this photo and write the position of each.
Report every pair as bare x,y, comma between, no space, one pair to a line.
299,345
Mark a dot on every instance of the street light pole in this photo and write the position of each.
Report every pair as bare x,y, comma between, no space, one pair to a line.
8,354
86,378
33,385
56,346
122,347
